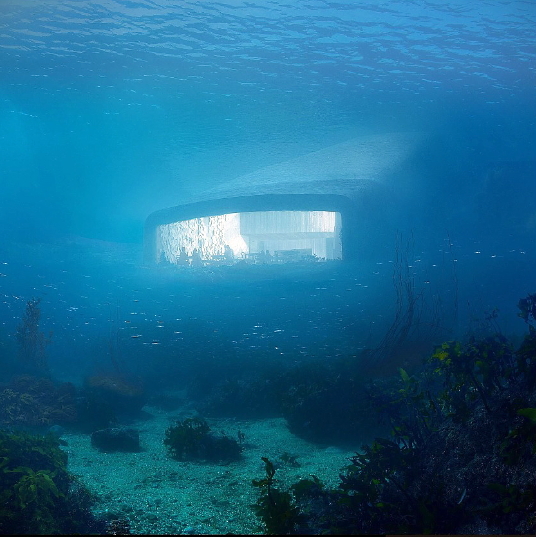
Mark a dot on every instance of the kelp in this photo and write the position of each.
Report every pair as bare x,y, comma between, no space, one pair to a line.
37,493
459,457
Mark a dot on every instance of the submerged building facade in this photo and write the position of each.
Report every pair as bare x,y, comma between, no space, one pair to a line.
313,207
262,228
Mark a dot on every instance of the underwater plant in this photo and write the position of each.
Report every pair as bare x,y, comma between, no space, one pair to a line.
309,393
476,370
527,308
303,509
463,432
31,401
460,458
37,493
31,341
276,508
191,439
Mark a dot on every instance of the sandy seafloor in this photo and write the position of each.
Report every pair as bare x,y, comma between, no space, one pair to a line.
159,495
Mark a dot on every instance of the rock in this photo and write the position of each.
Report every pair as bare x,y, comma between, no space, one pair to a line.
116,439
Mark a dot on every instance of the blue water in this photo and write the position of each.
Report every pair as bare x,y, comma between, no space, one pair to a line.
111,110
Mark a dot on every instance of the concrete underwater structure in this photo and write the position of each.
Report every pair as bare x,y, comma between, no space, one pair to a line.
313,207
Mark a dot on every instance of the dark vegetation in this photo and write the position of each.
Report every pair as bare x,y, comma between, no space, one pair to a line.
30,398
37,493
31,341
191,439
460,456
306,395
449,442
38,402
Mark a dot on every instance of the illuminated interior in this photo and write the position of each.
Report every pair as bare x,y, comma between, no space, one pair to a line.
253,237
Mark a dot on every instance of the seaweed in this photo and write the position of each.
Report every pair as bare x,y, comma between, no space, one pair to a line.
459,457
191,439
276,508
31,341
32,401
527,308
37,493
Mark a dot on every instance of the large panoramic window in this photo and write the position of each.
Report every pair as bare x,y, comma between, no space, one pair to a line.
253,237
